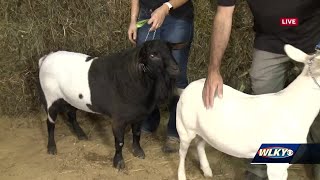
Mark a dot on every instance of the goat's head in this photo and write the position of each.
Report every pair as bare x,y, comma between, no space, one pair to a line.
311,62
156,61
156,58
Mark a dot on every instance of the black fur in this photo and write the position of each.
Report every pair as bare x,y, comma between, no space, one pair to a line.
119,82
126,86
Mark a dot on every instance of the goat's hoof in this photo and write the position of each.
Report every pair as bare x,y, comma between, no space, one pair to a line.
119,164
52,150
83,137
138,152
207,172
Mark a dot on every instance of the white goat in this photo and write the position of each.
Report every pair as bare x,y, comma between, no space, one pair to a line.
239,123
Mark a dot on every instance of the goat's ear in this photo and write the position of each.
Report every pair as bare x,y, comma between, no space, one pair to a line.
176,46
295,53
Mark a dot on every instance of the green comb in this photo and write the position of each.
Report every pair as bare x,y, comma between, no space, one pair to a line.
141,23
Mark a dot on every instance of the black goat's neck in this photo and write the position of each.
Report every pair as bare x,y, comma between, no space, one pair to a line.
141,87
163,87
131,83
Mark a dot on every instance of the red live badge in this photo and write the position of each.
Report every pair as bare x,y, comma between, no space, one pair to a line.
289,22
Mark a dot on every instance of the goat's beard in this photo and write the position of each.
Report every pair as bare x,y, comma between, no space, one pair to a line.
164,87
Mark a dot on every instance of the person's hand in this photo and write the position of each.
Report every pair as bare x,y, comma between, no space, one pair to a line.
132,32
157,17
213,83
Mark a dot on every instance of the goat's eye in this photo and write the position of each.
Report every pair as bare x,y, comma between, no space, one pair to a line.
153,55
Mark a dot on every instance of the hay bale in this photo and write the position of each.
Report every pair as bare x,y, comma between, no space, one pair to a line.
30,29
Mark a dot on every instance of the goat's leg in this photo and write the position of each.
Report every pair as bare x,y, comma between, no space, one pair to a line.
204,164
136,132
118,133
184,145
72,118
277,171
52,116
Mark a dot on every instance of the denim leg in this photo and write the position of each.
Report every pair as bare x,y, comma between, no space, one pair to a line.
182,82
171,127
152,122
177,31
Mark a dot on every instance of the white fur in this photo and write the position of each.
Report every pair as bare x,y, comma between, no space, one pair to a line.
57,78
239,123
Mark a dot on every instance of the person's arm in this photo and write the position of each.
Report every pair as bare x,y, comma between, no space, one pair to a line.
132,31
160,13
220,35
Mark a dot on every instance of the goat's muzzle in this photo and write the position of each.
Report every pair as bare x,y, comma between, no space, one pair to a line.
173,71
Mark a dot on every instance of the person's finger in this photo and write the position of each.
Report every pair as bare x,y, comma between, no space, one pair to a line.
135,36
150,21
220,90
130,36
154,25
207,96
211,94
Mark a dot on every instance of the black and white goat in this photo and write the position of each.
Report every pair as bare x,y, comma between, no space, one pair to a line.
125,86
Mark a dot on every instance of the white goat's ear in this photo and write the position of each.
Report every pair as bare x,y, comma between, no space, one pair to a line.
295,53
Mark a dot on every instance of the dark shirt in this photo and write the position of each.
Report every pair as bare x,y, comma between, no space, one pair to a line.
271,36
183,12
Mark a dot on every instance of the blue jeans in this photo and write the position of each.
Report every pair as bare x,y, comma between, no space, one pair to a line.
173,30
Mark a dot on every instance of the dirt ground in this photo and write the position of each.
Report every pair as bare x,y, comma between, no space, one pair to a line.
23,154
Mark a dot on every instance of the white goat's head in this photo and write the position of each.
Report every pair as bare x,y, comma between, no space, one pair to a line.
311,62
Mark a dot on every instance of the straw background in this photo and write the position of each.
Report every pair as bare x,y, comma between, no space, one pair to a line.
31,28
